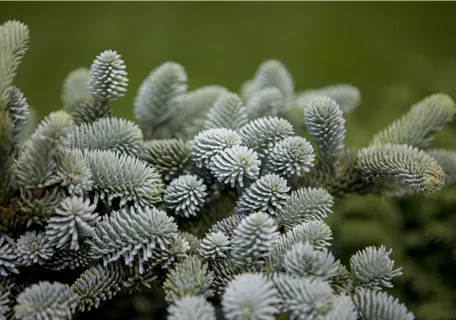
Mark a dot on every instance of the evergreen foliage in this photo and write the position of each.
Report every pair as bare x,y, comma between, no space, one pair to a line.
269,193
253,238
74,219
236,164
416,128
373,304
159,98
191,308
89,110
198,103
303,298
209,143
6,156
325,123
305,204
72,172
302,260
186,195
75,88
19,112
381,271
267,102
97,284
225,271
36,164
83,199
227,112
447,160
33,248
107,78
228,225
250,296
190,277
273,74
169,156
263,133
45,300
106,134
5,302
127,178
316,233
133,233
291,156
71,259
14,42
214,246
8,256
403,163
346,96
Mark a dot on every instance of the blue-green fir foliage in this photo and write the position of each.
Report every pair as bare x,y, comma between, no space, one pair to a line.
214,196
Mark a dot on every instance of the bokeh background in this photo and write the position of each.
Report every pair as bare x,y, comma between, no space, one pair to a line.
395,53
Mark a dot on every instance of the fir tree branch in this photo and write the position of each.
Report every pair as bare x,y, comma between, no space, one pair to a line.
405,164
14,43
160,98
417,127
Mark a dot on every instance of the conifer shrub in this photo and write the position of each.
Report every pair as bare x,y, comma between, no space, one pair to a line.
213,196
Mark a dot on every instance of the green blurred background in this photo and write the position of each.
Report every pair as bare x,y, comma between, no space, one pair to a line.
396,53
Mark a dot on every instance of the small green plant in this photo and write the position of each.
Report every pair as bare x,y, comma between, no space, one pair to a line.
215,196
